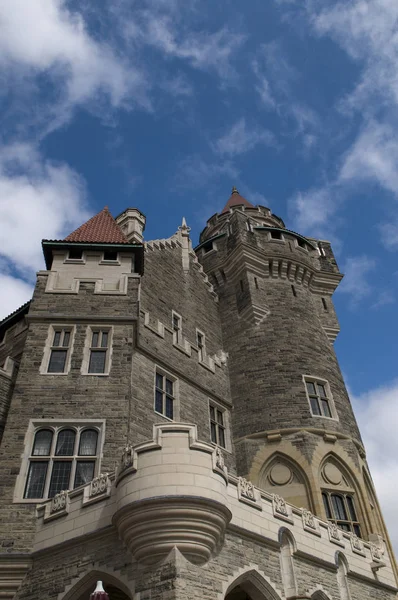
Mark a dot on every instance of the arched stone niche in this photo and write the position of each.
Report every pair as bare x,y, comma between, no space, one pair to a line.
342,581
251,585
80,589
288,546
336,478
282,476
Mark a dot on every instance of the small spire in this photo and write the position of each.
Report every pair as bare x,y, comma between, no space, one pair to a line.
184,227
235,190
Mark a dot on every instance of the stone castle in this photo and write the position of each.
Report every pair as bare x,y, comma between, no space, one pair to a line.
174,422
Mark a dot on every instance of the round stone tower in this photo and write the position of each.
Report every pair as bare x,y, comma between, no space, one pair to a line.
293,426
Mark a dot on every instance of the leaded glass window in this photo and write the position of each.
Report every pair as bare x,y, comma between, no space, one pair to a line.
61,459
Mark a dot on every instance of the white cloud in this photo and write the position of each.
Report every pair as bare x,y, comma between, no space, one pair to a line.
355,283
240,139
38,199
14,293
45,37
201,49
377,415
196,173
367,31
374,155
312,211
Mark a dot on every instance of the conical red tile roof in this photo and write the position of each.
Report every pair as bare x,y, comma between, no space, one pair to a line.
236,200
102,228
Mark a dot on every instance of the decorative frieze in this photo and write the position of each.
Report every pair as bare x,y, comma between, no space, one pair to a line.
247,493
310,523
219,463
335,534
59,501
280,509
376,552
357,545
58,507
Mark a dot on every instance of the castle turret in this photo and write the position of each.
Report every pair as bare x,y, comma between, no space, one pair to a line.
293,425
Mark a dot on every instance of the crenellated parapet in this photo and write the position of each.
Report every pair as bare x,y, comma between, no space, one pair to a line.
175,491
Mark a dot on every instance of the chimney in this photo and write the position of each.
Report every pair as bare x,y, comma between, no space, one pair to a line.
132,223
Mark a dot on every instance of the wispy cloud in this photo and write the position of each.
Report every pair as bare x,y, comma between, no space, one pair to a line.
241,138
377,413
196,172
367,31
48,201
374,155
60,47
313,210
355,283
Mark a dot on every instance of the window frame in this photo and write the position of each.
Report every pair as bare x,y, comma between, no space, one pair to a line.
75,261
177,333
329,397
88,349
175,396
226,424
354,525
49,347
202,346
35,425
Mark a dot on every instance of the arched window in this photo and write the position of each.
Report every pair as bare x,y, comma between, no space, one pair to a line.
342,577
339,498
287,565
61,459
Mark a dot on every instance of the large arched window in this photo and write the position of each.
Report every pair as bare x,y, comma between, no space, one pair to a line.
339,497
61,458
283,476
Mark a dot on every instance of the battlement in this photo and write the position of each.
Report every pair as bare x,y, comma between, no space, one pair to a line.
175,478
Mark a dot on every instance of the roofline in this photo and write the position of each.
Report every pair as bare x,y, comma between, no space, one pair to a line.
48,245
267,228
14,316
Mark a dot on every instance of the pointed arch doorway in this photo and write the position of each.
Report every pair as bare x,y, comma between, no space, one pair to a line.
113,592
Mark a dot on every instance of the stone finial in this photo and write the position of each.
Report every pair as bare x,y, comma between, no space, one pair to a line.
235,190
183,234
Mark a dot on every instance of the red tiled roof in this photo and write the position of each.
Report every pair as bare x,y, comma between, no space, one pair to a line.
236,200
102,228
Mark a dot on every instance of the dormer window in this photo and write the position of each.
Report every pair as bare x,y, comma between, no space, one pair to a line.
110,256
75,254
301,243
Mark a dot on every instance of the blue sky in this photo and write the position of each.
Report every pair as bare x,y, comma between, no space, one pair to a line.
165,104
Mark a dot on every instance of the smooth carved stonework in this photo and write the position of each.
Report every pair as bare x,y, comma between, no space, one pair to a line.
309,519
127,458
153,527
357,544
59,501
335,534
246,489
219,459
280,506
376,552
99,485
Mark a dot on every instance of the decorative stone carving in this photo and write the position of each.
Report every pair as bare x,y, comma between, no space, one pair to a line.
220,463
357,544
309,519
376,552
246,489
127,459
99,485
280,506
58,503
335,534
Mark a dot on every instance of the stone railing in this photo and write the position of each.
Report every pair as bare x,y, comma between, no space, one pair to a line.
176,491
